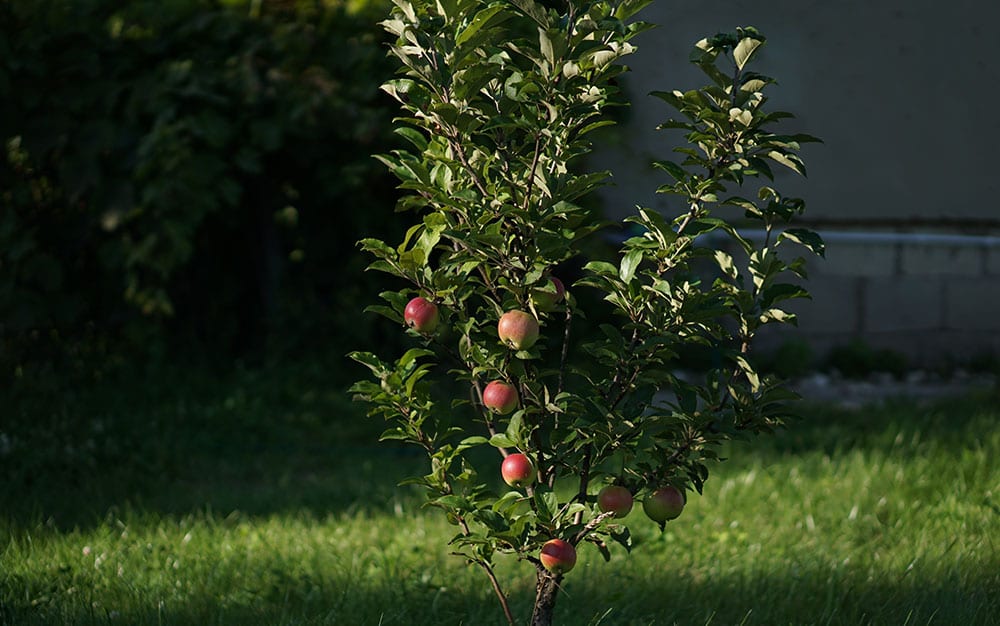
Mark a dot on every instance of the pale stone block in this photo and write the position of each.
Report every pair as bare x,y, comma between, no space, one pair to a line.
973,303
935,260
856,259
904,303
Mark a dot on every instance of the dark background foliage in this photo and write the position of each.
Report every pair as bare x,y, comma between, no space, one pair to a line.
187,173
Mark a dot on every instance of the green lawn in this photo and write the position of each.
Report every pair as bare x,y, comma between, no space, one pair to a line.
260,496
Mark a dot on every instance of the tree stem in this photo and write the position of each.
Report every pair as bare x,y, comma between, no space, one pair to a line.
546,587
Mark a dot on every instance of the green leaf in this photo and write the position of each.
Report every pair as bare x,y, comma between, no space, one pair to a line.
620,534
726,264
547,504
501,440
545,46
781,291
491,519
412,355
469,442
415,480
676,171
377,247
369,360
514,427
452,502
394,434
412,135
628,8
533,10
490,16
778,315
603,549
507,500
629,264
748,370
791,161
805,237
601,268
744,50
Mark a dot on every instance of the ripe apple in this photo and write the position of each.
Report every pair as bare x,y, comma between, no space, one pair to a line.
517,470
546,298
421,314
615,498
500,397
558,556
518,329
664,504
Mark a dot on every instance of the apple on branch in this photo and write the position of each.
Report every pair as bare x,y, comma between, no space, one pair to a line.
500,397
547,297
615,498
558,556
421,315
517,470
518,329
664,504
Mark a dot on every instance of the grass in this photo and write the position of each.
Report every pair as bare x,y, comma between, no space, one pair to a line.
259,496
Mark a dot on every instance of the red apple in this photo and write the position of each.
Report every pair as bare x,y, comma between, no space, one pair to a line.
518,329
664,504
500,397
546,298
421,314
615,498
558,556
517,470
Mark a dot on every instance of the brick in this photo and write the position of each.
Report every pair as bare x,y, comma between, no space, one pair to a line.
834,307
856,259
973,303
938,260
993,261
904,303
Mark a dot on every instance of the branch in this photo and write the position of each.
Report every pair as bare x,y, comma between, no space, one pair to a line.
456,145
534,168
497,590
565,354
493,577
475,391
591,525
584,481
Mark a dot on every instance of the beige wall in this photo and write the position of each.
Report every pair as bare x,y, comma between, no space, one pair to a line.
904,95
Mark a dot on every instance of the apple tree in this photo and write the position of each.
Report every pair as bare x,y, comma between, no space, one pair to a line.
499,100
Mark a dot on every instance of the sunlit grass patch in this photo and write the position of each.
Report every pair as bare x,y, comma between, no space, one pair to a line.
887,515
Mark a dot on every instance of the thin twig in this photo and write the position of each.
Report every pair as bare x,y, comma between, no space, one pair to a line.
584,481
493,578
591,525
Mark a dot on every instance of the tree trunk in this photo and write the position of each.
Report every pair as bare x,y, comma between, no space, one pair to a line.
546,587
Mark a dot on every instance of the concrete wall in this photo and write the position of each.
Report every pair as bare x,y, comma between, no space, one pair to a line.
904,95
930,298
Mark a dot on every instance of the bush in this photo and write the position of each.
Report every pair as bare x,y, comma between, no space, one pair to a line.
196,158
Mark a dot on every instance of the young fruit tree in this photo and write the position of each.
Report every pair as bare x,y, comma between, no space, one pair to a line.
499,100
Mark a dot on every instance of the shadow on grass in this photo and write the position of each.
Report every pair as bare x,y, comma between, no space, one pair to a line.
650,597
284,439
